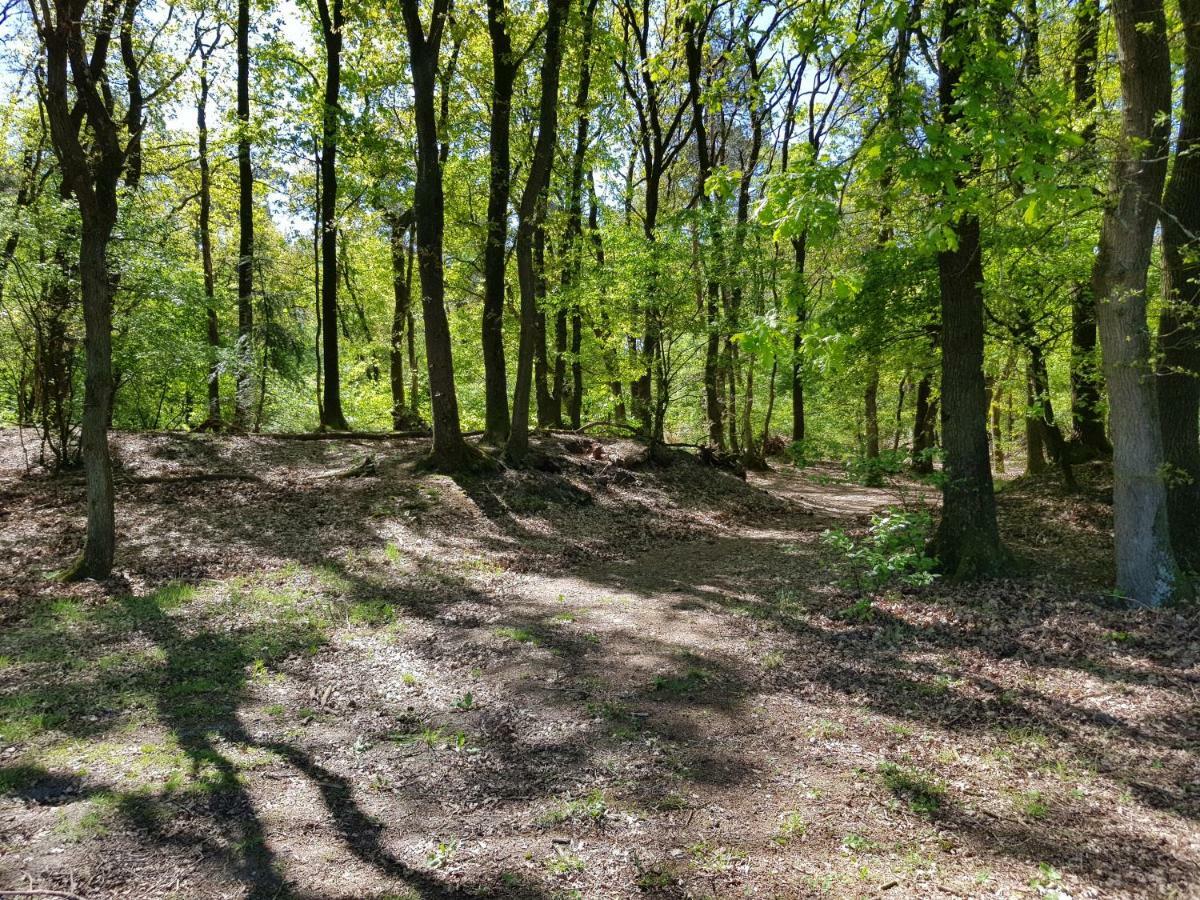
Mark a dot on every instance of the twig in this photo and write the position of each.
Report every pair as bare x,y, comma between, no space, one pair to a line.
36,893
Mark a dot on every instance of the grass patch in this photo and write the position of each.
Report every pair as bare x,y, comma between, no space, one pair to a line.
791,827
687,685
520,635
589,809
923,795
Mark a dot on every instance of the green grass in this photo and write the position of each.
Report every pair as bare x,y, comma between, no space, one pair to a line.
923,795
564,862
520,635
589,809
687,685
374,613
791,827
1031,804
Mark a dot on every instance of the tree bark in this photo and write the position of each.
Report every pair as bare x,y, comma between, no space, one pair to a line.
92,176
244,355
1179,325
1147,573
504,72
450,452
1087,417
968,538
529,220
871,411
712,319
213,419
332,23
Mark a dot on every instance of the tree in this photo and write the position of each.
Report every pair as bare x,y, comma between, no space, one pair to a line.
530,215
1179,326
1086,413
92,160
245,268
332,23
505,65
1147,572
204,227
968,538
450,452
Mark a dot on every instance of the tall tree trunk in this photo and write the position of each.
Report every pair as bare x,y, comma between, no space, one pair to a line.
1147,572
1035,451
1087,417
244,355
712,320
529,221
332,23
450,452
92,175
1179,325
399,227
871,412
968,539
603,331
799,255
573,257
504,72
922,438
213,419
541,354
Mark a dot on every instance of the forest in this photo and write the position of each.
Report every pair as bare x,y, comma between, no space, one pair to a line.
599,448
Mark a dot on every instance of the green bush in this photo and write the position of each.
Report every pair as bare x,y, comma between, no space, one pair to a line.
892,550
873,471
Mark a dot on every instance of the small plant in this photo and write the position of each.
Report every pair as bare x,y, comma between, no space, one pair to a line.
791,827
465,702
1046,880
410,680
564,862
860,612
1032,805
520,635
892,550
708,858
686,685
441,854
874,471
371,612
590,808
858,843
924,796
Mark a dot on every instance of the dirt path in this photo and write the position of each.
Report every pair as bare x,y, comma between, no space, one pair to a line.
553,685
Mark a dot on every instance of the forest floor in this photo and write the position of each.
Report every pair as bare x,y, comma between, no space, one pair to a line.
604,681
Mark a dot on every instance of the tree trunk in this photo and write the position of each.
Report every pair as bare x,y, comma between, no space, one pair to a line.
922,439
504,72
529,221
1088,438
1035,452
399,226
244,356
1147,572
1179,325
799,252
968,539
450,452
213,419
712,320
871,411
332,23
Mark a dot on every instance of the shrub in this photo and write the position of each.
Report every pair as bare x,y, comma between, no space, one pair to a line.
892,550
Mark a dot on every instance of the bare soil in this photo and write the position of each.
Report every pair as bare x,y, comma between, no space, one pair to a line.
599,679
